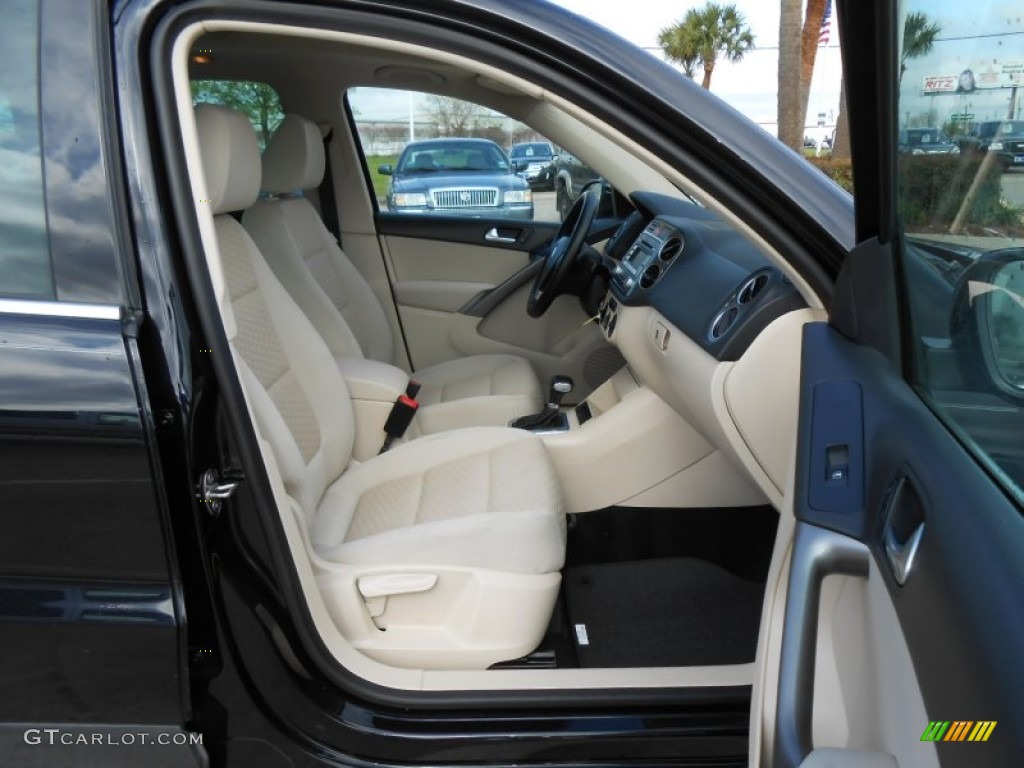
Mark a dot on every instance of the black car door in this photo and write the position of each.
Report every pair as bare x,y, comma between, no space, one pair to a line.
92,624
903,630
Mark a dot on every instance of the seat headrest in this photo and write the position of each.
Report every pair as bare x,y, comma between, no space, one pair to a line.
231,157
294,158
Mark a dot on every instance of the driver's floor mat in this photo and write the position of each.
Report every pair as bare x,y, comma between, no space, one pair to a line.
671,612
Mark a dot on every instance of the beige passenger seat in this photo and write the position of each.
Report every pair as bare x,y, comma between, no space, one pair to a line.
451,543
480,390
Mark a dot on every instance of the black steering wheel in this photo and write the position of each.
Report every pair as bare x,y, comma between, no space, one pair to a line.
565,249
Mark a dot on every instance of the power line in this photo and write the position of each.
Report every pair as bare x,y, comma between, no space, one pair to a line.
976,37
752,50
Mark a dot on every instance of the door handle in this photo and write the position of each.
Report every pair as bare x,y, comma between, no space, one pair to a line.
901,556
494,236
903,513
817,554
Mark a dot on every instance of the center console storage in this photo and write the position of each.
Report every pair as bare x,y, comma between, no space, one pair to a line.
623,442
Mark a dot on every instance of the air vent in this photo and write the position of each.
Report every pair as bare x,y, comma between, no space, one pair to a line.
650,276
723,322
751,289
671,248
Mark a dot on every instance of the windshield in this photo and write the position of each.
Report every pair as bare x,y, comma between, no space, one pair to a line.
529,151
917,138
988,130
453,156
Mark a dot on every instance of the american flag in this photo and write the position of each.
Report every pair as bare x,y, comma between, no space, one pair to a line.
826,24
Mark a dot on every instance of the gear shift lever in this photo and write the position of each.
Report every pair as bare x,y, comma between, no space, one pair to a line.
560,387
551,417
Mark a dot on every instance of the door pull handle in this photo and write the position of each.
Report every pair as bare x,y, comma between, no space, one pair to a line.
904,527
901,556
493,236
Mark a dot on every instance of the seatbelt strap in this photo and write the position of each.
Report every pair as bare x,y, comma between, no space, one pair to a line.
328,206
399,420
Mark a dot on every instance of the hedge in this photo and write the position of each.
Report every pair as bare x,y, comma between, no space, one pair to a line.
840,171
931,189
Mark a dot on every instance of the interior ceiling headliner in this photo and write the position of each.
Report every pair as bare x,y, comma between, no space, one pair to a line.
282,60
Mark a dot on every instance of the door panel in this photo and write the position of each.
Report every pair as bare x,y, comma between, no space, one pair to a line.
954,610
90,618
458,294
452,261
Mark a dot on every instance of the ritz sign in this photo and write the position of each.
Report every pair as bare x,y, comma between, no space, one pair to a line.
992,76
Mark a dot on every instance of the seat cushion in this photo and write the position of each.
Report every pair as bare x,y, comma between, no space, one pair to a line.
480,498
484,390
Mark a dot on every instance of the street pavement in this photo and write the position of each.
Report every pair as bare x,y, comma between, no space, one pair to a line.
1013,187
544,206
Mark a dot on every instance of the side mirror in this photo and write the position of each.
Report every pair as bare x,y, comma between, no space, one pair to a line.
990,318
385,170
1005,323
519,165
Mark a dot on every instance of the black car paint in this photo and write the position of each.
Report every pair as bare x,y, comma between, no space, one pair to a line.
90,610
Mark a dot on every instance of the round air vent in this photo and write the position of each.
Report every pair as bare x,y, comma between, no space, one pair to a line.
751,289
723,322
671,248
650,276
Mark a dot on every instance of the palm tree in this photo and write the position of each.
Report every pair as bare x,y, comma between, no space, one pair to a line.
790,117
678,44
918,38
704,35
798,50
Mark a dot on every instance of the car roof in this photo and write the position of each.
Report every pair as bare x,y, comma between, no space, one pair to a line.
452,140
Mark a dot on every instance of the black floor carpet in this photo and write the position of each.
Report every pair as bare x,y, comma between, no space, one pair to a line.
670,612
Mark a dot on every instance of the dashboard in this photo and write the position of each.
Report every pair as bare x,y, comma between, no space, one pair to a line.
697,271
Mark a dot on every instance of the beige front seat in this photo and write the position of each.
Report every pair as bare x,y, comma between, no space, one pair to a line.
451,543
479,390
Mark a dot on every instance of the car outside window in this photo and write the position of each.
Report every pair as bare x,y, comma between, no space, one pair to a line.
962,220
25,268
437,155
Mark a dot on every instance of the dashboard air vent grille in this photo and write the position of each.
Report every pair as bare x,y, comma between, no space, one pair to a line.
751,289
671,249
650,276
723,322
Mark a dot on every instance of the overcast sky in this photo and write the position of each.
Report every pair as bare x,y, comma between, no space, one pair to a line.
749,85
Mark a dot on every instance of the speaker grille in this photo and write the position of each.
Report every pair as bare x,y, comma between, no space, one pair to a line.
601,364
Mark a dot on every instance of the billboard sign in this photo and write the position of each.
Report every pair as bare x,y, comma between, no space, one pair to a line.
987,77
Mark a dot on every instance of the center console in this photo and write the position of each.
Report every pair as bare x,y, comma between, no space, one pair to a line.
623,445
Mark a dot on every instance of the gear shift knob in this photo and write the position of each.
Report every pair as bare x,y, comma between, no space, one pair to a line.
560,387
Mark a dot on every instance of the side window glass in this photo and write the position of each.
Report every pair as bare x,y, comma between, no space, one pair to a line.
436,155
960,198
25,269
257,101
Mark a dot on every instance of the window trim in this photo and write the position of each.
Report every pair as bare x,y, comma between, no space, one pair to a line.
69,309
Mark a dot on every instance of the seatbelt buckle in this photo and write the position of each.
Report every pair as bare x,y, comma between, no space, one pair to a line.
413,388
402,413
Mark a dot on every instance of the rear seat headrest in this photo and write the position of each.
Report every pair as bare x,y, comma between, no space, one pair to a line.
294,158
231,157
